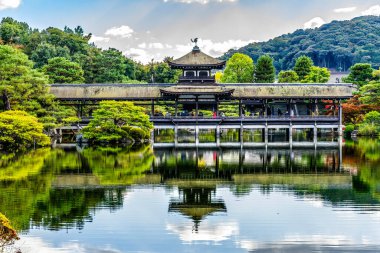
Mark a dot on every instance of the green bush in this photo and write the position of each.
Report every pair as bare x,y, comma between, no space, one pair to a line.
349,128
368,129
372,117
118,122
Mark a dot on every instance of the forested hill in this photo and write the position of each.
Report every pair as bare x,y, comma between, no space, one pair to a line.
337,45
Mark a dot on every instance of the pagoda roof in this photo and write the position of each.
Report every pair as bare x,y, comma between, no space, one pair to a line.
196,58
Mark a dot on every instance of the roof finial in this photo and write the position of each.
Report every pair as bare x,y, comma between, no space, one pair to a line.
195,41
195,48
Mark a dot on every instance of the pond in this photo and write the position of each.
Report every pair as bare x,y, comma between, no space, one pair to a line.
140,199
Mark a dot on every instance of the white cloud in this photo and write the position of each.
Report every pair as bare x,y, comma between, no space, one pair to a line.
155,45
314,23
123,31
138,54
95,39
345,10
372,11
200,1
5,4
214,48
142,45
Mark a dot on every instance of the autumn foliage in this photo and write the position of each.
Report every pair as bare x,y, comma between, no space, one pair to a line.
354,110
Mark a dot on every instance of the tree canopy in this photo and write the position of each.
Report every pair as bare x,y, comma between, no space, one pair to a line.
117,122
288,76
303,67
336,45
98,65
239,69
19,130
61,70
317,75
265,71
360,73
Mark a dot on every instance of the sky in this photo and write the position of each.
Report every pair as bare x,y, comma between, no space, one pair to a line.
152,29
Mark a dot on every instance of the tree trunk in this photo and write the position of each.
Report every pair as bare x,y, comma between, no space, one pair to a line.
7,104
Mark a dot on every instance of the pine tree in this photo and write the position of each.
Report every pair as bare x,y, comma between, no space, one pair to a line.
303,67
265,71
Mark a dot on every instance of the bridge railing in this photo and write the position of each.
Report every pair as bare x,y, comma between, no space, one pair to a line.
301,117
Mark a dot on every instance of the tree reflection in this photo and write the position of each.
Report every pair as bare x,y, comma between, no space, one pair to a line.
52,189
62,188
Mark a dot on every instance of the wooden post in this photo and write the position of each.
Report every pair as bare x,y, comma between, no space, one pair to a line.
81,110
240,109
340,130
265,108
315,139
176,106
152,109
291,134
217,105
218,135
196,107
197,136
175,135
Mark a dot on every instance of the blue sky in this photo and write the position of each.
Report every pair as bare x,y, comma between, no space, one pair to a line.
153,29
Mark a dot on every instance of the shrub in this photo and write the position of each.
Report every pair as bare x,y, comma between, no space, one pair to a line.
118,122
19,130
8,234
349,128
368,129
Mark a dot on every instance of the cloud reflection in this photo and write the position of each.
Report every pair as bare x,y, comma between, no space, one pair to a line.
206,231
30,244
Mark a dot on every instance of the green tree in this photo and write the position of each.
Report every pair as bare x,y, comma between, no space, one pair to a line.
372,117
265,71
239,69
376,75
20,85
317,75
45,51
24,88
370,93
61,70
303,67
288,76
19,130
110,66
360,73
117,122
13,32
164,74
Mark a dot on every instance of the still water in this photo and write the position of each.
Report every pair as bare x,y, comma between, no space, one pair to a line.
141,199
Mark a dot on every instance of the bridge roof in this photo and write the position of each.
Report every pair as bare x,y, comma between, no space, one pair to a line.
242,91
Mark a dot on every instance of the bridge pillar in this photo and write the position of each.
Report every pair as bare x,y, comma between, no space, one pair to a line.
197,135
152,109
176,135
241,131
340,130
291,134
218,135
152,136
176,106
315,135
240,109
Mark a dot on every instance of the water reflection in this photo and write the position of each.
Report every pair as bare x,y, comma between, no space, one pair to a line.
237,199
